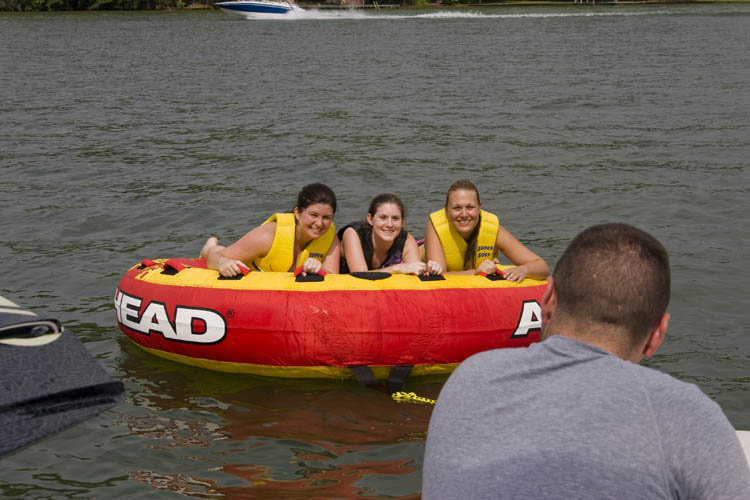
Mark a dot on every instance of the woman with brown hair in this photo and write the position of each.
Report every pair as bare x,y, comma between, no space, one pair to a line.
465,239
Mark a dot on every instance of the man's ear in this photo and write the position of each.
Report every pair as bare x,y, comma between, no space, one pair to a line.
549,300
656,337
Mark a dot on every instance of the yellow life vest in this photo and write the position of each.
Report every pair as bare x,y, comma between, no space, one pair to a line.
281,254
454,245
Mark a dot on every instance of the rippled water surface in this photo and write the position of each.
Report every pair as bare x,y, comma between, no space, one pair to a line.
126,136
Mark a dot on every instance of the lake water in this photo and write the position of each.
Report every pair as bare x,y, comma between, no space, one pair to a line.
136,135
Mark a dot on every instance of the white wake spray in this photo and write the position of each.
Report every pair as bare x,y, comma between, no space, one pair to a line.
325,14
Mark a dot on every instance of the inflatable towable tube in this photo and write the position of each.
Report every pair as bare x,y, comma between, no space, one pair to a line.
274,324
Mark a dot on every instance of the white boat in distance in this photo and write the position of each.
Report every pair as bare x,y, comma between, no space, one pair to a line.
259,9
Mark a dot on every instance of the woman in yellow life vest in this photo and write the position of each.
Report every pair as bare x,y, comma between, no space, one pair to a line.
465,239
306,237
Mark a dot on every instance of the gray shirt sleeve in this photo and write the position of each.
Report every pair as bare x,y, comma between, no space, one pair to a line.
701,447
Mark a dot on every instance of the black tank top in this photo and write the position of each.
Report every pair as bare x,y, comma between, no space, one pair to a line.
364,231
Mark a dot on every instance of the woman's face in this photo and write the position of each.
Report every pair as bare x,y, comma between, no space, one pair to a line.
463,210
386,222
314,220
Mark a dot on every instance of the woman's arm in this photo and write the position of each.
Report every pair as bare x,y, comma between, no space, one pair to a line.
411,250
331,262
352,251
528,264
256,243
412,261
433,248
355,257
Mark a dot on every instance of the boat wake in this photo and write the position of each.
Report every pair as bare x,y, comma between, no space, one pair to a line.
323,14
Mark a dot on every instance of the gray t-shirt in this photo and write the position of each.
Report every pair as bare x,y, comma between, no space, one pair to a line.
566,420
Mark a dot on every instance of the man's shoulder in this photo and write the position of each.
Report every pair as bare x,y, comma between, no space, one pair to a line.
553,347
480,360
685,416
698,441
667,391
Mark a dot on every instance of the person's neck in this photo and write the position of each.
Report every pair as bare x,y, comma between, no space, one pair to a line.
604,337
300,241
380,248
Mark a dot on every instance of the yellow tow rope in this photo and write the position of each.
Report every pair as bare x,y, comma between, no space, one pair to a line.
410,397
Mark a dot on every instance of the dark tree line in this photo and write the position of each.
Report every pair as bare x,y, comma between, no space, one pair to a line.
60,5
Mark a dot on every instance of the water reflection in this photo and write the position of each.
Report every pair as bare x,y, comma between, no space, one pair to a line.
254,437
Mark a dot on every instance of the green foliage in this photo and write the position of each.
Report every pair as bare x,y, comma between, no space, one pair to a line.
60,5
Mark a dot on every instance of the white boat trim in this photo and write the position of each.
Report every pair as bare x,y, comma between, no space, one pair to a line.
259,9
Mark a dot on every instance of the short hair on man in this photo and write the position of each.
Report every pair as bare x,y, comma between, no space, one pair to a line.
614,274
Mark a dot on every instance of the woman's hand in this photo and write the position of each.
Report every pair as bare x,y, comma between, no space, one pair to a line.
517,274
230,267
311,266
488,267
433,267
410,268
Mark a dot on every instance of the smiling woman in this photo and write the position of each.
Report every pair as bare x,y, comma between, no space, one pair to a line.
381,241
306,237
465,239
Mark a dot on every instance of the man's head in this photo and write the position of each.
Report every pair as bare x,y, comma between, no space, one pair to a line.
612,280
